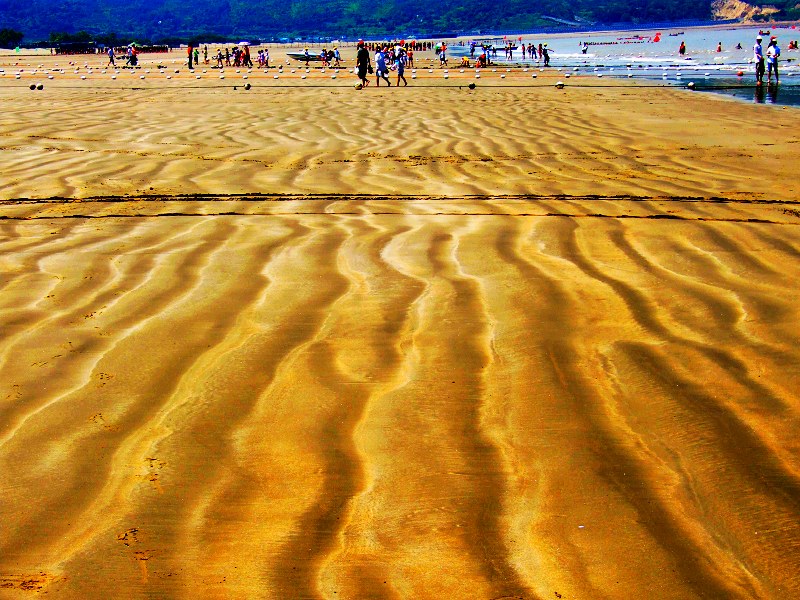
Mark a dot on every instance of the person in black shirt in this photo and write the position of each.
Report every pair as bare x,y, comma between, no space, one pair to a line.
363,64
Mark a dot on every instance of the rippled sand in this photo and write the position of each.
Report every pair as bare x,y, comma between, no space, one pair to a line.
467,387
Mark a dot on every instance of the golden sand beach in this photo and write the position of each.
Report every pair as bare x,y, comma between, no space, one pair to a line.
301,341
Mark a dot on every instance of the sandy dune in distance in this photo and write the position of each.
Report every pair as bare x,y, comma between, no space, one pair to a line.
423,343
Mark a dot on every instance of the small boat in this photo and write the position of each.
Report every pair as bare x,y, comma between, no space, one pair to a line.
301,56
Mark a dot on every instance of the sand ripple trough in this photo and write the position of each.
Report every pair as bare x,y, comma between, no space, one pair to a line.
338,396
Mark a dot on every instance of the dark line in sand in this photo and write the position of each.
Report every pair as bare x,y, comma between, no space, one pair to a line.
278,197
395,214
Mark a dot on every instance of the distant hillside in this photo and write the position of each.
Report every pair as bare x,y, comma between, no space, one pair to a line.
159,19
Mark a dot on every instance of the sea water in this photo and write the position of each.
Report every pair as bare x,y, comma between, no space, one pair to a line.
636,55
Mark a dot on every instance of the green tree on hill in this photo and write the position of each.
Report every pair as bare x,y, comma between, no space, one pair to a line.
10,38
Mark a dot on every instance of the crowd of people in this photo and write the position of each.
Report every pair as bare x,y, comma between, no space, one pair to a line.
487,51
387,58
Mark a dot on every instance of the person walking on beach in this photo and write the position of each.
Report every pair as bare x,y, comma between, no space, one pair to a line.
111,62
546,55
773,52
196,56
400,65
191,54
758,57
363,66
682,49
381,72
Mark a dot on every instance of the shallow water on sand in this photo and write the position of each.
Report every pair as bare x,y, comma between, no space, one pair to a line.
634,55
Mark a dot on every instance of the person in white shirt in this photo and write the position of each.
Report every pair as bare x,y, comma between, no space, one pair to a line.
758,57
773,52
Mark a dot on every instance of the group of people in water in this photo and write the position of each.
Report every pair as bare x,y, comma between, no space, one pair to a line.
489,51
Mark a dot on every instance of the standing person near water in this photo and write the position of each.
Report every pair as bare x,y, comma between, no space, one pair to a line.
111,62
682,49
381,71
362,63
773,52
758,57
191,54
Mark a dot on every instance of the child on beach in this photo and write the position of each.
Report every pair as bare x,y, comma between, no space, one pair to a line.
380,65
400,65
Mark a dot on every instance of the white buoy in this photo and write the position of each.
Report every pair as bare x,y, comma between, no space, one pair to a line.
303,76
197,76
244,76
274,76
141,76
477,75
533,75
503,76
560,84
168,77
82,76
333,76
567,75
222,76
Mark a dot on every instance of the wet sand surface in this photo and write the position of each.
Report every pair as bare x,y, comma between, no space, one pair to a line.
543,352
